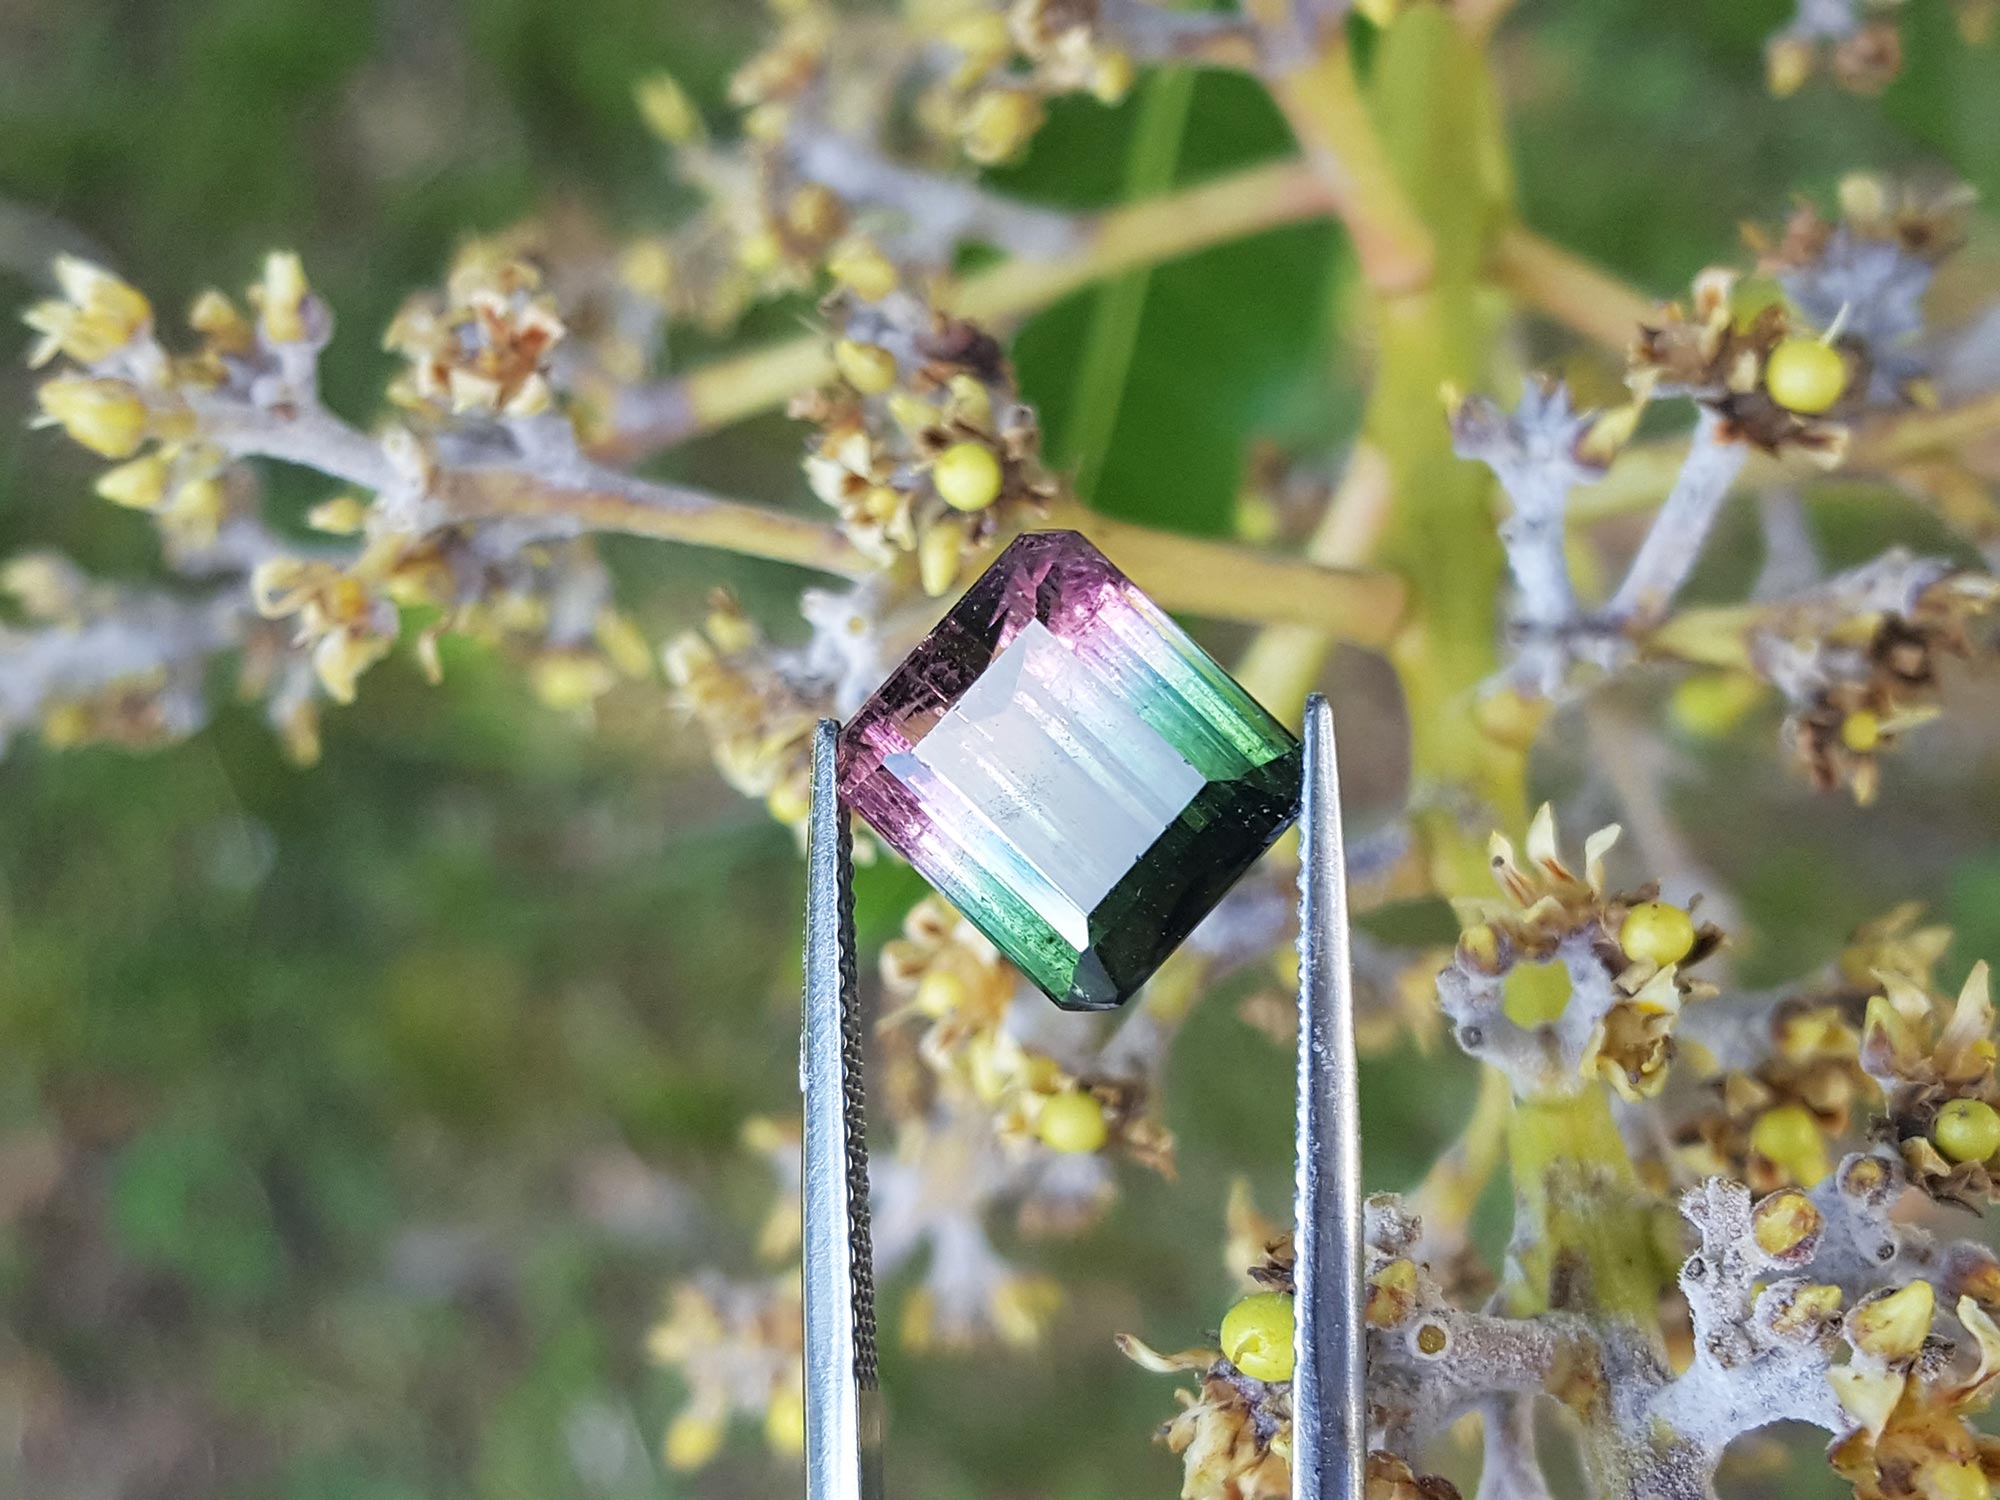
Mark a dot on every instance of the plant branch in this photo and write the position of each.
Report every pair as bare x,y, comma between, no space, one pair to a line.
1159,229
1645,472
1322,99
1563,286
571,495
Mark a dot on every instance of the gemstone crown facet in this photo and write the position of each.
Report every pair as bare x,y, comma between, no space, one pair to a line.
1070,770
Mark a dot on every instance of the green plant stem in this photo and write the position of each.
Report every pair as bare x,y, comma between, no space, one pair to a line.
1435,104
1121,304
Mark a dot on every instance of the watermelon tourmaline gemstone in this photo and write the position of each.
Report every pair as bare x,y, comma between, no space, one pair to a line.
1070,770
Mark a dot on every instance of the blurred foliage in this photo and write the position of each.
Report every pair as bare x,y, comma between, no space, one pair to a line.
351,1121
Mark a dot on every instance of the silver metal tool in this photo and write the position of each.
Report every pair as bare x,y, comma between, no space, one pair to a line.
844,1417
1329,1399
843,1394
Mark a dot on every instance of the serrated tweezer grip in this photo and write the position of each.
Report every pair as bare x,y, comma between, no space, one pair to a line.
1329,1401
844,1416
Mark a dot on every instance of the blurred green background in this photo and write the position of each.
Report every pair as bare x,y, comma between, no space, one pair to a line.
353,1120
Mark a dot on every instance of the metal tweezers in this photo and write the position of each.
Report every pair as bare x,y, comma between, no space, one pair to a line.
844,1414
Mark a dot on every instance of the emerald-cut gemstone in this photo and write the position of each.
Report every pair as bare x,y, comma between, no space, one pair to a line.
1070,770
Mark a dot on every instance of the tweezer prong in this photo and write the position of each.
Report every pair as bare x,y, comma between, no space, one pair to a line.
1329,1402
844,1418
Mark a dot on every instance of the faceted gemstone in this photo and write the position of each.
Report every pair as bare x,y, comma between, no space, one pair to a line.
1070,770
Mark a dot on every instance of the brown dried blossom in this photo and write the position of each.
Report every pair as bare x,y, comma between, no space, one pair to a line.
484,346
1925,1051
1858,42
1909,1397
1716,349
1860,660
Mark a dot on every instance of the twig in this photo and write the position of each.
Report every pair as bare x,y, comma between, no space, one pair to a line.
1210,579
951,210
1155,33
1562,285
1645,472
1674,543
1322,99
1149,233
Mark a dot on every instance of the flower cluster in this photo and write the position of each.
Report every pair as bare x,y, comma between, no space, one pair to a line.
758,716
924,447
1625,954
1933,1061
736,1345
1785,1072
1856,41
1857,660
979,1041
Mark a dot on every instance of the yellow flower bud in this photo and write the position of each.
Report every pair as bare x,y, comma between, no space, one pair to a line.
1022,1307
624,642
790,801
1073,1124
1861,731
1789,1136
667,110
686,657
968,476
140,484
1479,945
1788,63
1111,80
1893,1326
814,213
912,413
938,557
1785,1223
1392,1294
1257,1336
341,656
760,253
219,320
648,269
730,629
569,680
693,1439
999,124
1655,932
64,726
982,42
1710,704
1967,1130
863,270
785,1423
281,298
869,368
1942,1479
1805,375
200,504
100,292
971,402
106,416
940,992
344,515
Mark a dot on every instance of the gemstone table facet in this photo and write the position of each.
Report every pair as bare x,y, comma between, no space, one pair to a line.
1070,770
